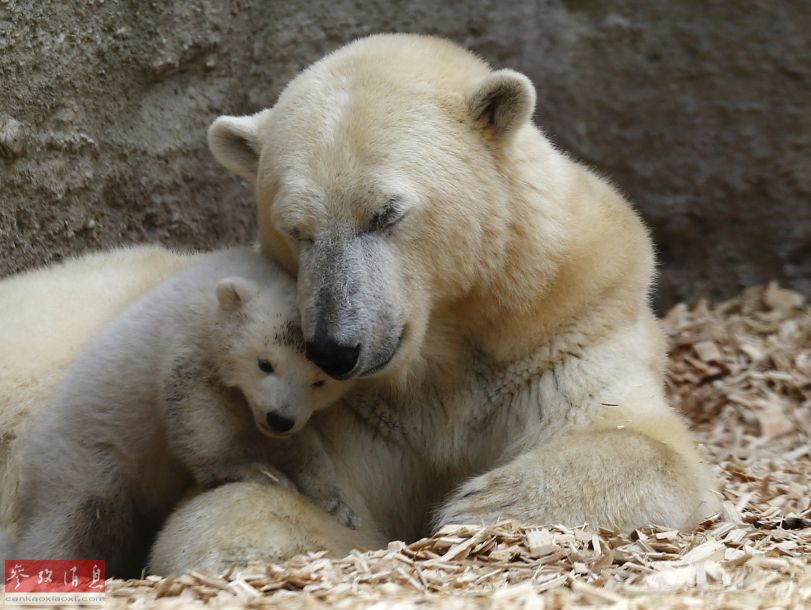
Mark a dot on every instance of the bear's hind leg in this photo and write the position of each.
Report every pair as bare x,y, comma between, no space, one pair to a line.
88,527
242,522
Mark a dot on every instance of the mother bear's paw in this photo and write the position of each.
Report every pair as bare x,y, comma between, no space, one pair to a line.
496,496
618,478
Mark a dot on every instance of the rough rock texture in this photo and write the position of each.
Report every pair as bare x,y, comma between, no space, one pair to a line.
698,111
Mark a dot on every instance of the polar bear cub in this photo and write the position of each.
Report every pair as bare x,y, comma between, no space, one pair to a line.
185,385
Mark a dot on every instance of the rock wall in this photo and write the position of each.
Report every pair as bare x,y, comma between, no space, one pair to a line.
697,111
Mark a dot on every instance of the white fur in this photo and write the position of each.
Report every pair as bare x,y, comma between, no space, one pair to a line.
530,382
278,524
47,317
165,393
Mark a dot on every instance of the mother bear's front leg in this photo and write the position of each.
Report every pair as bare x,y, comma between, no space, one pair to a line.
601,477
243,522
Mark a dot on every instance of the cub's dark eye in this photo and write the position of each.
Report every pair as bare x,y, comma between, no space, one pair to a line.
390,215
319,384
264,365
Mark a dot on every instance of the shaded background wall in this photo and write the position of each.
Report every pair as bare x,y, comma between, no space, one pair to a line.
698,111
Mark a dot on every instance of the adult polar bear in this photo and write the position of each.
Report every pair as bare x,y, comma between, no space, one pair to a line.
490,295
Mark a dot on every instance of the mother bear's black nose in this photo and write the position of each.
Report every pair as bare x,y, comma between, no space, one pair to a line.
334,359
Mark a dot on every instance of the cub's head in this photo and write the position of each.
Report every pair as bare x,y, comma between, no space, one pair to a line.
263,357
382,181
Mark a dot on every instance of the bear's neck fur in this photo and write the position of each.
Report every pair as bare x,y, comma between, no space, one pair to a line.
570,266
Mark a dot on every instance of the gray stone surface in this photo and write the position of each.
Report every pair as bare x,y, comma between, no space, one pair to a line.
698,111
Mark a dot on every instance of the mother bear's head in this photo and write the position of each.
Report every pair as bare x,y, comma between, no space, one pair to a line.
386,179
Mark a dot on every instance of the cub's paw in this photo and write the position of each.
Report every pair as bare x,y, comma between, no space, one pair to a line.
337,507
330,497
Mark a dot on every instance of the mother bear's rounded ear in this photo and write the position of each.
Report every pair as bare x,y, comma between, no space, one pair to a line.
503,101
234,142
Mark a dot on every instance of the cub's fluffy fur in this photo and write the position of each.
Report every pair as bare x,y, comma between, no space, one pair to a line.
176,388
46,317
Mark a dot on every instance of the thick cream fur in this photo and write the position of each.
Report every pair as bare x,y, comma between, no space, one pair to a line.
280,523
47,317
531,384
168,392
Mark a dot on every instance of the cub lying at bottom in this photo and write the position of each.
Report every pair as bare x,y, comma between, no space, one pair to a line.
177,388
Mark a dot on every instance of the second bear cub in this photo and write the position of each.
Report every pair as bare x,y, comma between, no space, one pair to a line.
176,388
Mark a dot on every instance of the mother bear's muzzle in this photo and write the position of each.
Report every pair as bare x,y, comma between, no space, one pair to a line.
350,315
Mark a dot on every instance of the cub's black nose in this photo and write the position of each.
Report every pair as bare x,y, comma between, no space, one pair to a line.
334,359
279,423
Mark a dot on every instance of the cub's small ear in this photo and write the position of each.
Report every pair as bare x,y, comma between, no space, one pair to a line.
234,292
503,101
234,142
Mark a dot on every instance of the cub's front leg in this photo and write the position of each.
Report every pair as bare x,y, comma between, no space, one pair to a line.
306,461
608,478
215,437
210,431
